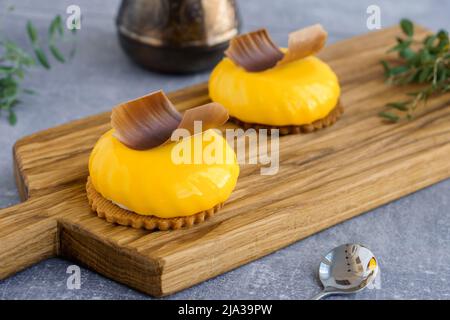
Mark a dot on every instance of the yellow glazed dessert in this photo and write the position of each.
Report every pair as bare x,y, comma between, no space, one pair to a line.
164,186
148,182
291,89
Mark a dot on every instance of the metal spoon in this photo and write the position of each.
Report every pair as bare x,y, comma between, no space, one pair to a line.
347,269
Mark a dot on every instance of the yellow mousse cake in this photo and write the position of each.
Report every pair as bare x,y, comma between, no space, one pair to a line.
264,86
161,183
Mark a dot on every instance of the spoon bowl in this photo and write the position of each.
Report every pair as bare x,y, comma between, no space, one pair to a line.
347,269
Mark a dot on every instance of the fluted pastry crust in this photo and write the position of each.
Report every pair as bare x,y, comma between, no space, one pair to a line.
112,213
328,121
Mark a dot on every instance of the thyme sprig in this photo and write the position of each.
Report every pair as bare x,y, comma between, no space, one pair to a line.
425,62
15,62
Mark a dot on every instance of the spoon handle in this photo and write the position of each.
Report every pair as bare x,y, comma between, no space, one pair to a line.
320,295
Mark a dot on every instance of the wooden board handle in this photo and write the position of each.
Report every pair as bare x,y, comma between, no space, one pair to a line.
27,235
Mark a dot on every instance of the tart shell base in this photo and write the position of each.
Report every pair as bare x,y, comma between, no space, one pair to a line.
329,120
112,213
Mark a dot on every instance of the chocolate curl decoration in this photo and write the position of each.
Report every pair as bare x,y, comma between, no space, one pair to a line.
149,121
255,51
212,115
305,42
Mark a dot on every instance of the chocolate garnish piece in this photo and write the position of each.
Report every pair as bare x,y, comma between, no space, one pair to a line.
212,115
145,122
149,121
255,51
305,42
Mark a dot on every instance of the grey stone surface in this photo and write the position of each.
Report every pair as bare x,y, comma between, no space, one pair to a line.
411,236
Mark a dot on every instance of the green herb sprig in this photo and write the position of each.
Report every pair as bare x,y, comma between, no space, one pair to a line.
15,62
424,62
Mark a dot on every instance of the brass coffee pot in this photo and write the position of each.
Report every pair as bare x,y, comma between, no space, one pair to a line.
177,36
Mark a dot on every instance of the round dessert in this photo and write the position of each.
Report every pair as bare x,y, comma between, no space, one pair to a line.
165,187
299,95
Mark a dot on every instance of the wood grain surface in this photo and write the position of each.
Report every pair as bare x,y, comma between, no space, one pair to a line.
324,178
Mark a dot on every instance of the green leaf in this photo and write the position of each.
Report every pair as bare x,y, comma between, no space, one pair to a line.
429,41
414,93
442,35
19,73
52,29
56,26
407,54
398,70
425,74
442,74
425,56
57,54
407,27
73,28
402,106
15,102
402,44
16,55
387,68
444,41
12,117
59,25
42,58
32,32
389,116
6,69
405,79
8,88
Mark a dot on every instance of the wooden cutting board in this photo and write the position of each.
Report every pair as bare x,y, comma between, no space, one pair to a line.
325,178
